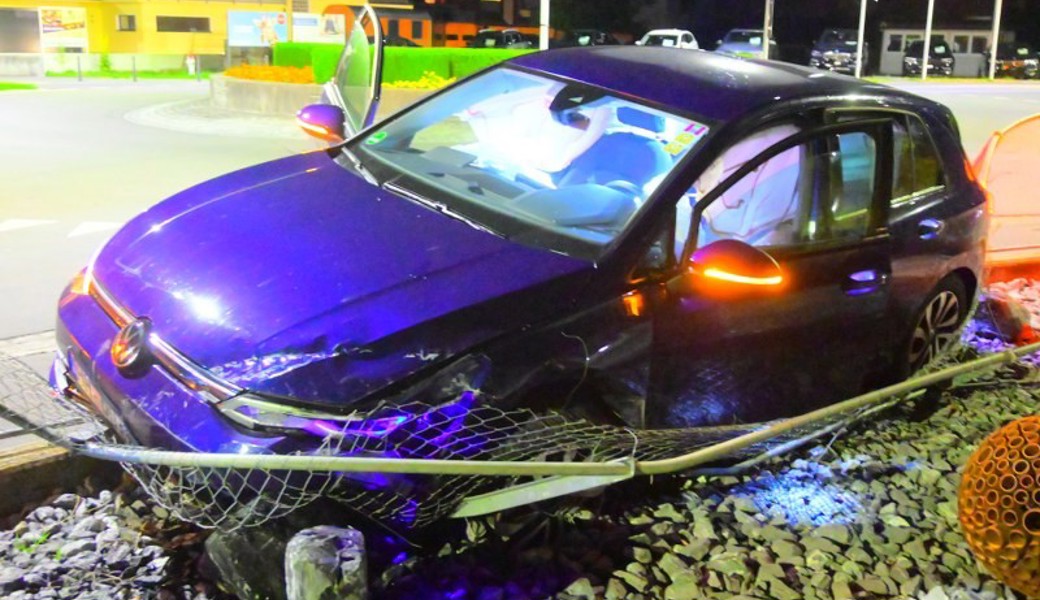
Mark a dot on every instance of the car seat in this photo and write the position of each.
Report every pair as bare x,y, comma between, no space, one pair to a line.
627,156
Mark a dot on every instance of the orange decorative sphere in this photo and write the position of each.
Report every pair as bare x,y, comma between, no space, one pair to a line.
999,504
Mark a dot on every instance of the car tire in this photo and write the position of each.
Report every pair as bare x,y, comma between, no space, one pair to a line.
937,325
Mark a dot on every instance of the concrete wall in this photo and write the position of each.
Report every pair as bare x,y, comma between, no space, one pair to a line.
263,97
21,64
272,98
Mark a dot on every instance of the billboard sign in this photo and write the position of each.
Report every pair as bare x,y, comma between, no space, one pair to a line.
251,28
312,27
63,29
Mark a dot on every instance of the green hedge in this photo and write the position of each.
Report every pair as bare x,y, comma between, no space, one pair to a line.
399,63
298,54
324,61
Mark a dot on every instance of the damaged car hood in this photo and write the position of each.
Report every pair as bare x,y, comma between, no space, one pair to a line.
297,277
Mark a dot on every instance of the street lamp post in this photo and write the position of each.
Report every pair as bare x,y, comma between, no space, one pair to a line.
859,37
927,39
543,25
767,29
997,8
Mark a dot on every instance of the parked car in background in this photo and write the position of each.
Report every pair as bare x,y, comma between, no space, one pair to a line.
669,38
585,37
1017,60
835,50
940,59
500,38
639,237
398,41
746,43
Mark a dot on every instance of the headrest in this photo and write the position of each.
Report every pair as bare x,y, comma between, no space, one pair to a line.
637,118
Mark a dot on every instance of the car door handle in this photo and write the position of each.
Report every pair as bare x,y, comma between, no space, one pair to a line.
929,229
864,282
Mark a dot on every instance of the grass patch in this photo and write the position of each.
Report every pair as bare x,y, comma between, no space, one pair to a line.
175,74
7,85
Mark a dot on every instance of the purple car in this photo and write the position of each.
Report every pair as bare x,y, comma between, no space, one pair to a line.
630,237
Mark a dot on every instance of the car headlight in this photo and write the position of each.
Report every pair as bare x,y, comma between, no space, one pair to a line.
910,60
946,61
255,412
816,54
1032,62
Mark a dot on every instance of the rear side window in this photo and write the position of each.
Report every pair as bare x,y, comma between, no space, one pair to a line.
917,169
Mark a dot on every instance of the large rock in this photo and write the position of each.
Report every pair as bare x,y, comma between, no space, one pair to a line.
326,562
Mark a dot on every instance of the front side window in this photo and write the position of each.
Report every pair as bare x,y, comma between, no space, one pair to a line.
357,72
542,161
819,191
917,169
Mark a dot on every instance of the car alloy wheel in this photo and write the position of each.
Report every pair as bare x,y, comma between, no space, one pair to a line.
937,326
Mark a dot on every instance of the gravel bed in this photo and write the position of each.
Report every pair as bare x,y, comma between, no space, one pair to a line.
113,545
868,513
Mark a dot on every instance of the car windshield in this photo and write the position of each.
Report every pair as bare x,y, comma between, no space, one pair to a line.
661,39
487,39
838,37
1013,51
558,165
743,37
938,49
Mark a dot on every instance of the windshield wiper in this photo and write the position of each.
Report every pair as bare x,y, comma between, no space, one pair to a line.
358,165
437,206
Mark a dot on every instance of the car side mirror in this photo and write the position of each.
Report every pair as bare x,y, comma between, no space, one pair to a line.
730,267
323,121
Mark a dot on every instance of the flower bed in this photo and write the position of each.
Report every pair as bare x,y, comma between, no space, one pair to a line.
281,74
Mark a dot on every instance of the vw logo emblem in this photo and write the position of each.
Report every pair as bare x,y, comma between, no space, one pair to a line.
130,345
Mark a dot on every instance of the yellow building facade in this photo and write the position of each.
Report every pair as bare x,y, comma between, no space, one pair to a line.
154,26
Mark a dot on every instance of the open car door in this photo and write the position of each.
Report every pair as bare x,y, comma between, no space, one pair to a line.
356,86
1005,168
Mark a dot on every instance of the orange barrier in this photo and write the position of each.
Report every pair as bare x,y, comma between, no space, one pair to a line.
1007,168
999,504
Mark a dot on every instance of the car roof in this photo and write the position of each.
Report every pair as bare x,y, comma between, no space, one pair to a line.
707,84
668,31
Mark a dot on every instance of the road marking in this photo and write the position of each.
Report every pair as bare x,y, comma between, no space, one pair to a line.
13,224
88,227
28,345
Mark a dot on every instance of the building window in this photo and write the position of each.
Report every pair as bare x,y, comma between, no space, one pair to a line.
182,24
417,29
895,43
960,44
127,23
979,44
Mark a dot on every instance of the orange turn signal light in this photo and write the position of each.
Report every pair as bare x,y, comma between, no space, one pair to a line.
315,130
80,284
715,273
634,303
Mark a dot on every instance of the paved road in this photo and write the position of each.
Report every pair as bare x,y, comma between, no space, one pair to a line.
73,167
980,108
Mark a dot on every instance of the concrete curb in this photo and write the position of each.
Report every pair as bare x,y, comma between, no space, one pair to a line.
261,97
200,117
36,470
